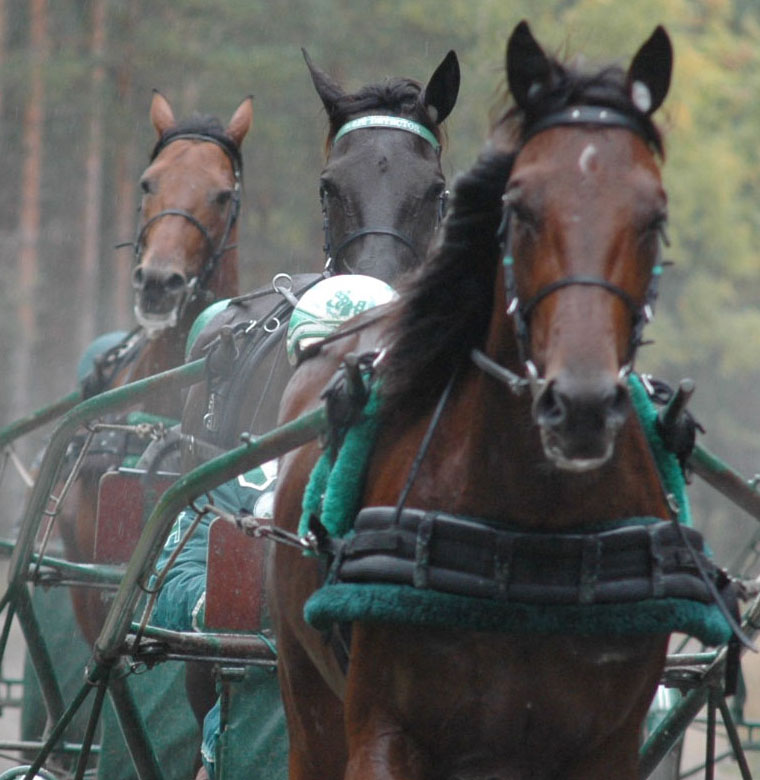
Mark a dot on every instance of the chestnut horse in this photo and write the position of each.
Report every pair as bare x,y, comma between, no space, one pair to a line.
186,253
571,175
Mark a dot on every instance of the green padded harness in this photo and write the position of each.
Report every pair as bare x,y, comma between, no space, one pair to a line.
334,494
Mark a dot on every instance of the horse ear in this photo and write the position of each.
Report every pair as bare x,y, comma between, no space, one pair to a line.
161,114
327,88
440,94
241,120
650,71
528,68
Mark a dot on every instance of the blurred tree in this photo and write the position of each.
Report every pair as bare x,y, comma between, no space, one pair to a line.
29,218
93,194
125,18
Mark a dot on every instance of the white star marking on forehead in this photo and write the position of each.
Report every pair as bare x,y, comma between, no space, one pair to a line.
586,156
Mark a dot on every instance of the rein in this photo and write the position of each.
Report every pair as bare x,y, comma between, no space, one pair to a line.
215,250
383,122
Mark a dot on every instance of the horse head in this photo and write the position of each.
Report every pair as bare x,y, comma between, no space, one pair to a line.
382,188
585,209
190,202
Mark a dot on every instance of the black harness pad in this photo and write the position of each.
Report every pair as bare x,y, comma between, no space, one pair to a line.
447,553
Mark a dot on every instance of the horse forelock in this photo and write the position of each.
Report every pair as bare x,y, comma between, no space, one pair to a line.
203,125
399,96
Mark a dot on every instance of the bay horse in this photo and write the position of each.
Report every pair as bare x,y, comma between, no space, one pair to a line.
541,282
186,257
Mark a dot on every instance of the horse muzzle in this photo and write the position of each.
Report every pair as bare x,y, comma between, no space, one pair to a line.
579,418
159,297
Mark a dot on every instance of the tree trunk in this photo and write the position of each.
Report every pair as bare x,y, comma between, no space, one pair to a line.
29,220
3,30
125,164
88,282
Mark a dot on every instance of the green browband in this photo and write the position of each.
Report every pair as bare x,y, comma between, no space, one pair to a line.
392,122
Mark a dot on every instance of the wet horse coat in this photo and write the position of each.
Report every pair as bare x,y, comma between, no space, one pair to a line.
187,257
562,314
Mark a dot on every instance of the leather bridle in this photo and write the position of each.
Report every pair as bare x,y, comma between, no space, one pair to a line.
332,252
216,250
521,311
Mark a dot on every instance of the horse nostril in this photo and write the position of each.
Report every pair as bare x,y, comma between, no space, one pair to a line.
175,283
550,407
138,278
619,401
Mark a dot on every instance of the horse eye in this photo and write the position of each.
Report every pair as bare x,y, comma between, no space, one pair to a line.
657,225
223,197
524,215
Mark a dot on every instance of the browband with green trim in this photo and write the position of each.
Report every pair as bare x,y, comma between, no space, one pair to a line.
392,122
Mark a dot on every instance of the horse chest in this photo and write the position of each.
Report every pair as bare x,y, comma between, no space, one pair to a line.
488,707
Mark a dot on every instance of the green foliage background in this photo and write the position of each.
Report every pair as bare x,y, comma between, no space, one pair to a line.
208,56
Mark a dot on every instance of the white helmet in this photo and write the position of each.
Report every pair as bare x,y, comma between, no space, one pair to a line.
329,304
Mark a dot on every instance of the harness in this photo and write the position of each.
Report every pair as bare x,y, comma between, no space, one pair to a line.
244,335
400,564
362,123
458,555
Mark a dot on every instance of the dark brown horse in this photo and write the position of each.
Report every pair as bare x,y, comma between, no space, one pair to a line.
186,258
575,162
382,193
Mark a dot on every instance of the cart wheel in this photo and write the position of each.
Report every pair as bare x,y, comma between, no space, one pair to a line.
20,771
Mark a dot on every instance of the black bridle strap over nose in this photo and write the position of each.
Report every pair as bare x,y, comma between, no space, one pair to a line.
382,231
173,213
527,308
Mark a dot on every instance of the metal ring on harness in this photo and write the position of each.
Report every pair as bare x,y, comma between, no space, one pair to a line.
269,328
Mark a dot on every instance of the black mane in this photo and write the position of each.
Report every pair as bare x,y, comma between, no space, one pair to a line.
445,307
398,96
200,124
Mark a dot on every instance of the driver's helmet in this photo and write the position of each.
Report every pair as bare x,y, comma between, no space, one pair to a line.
330,303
